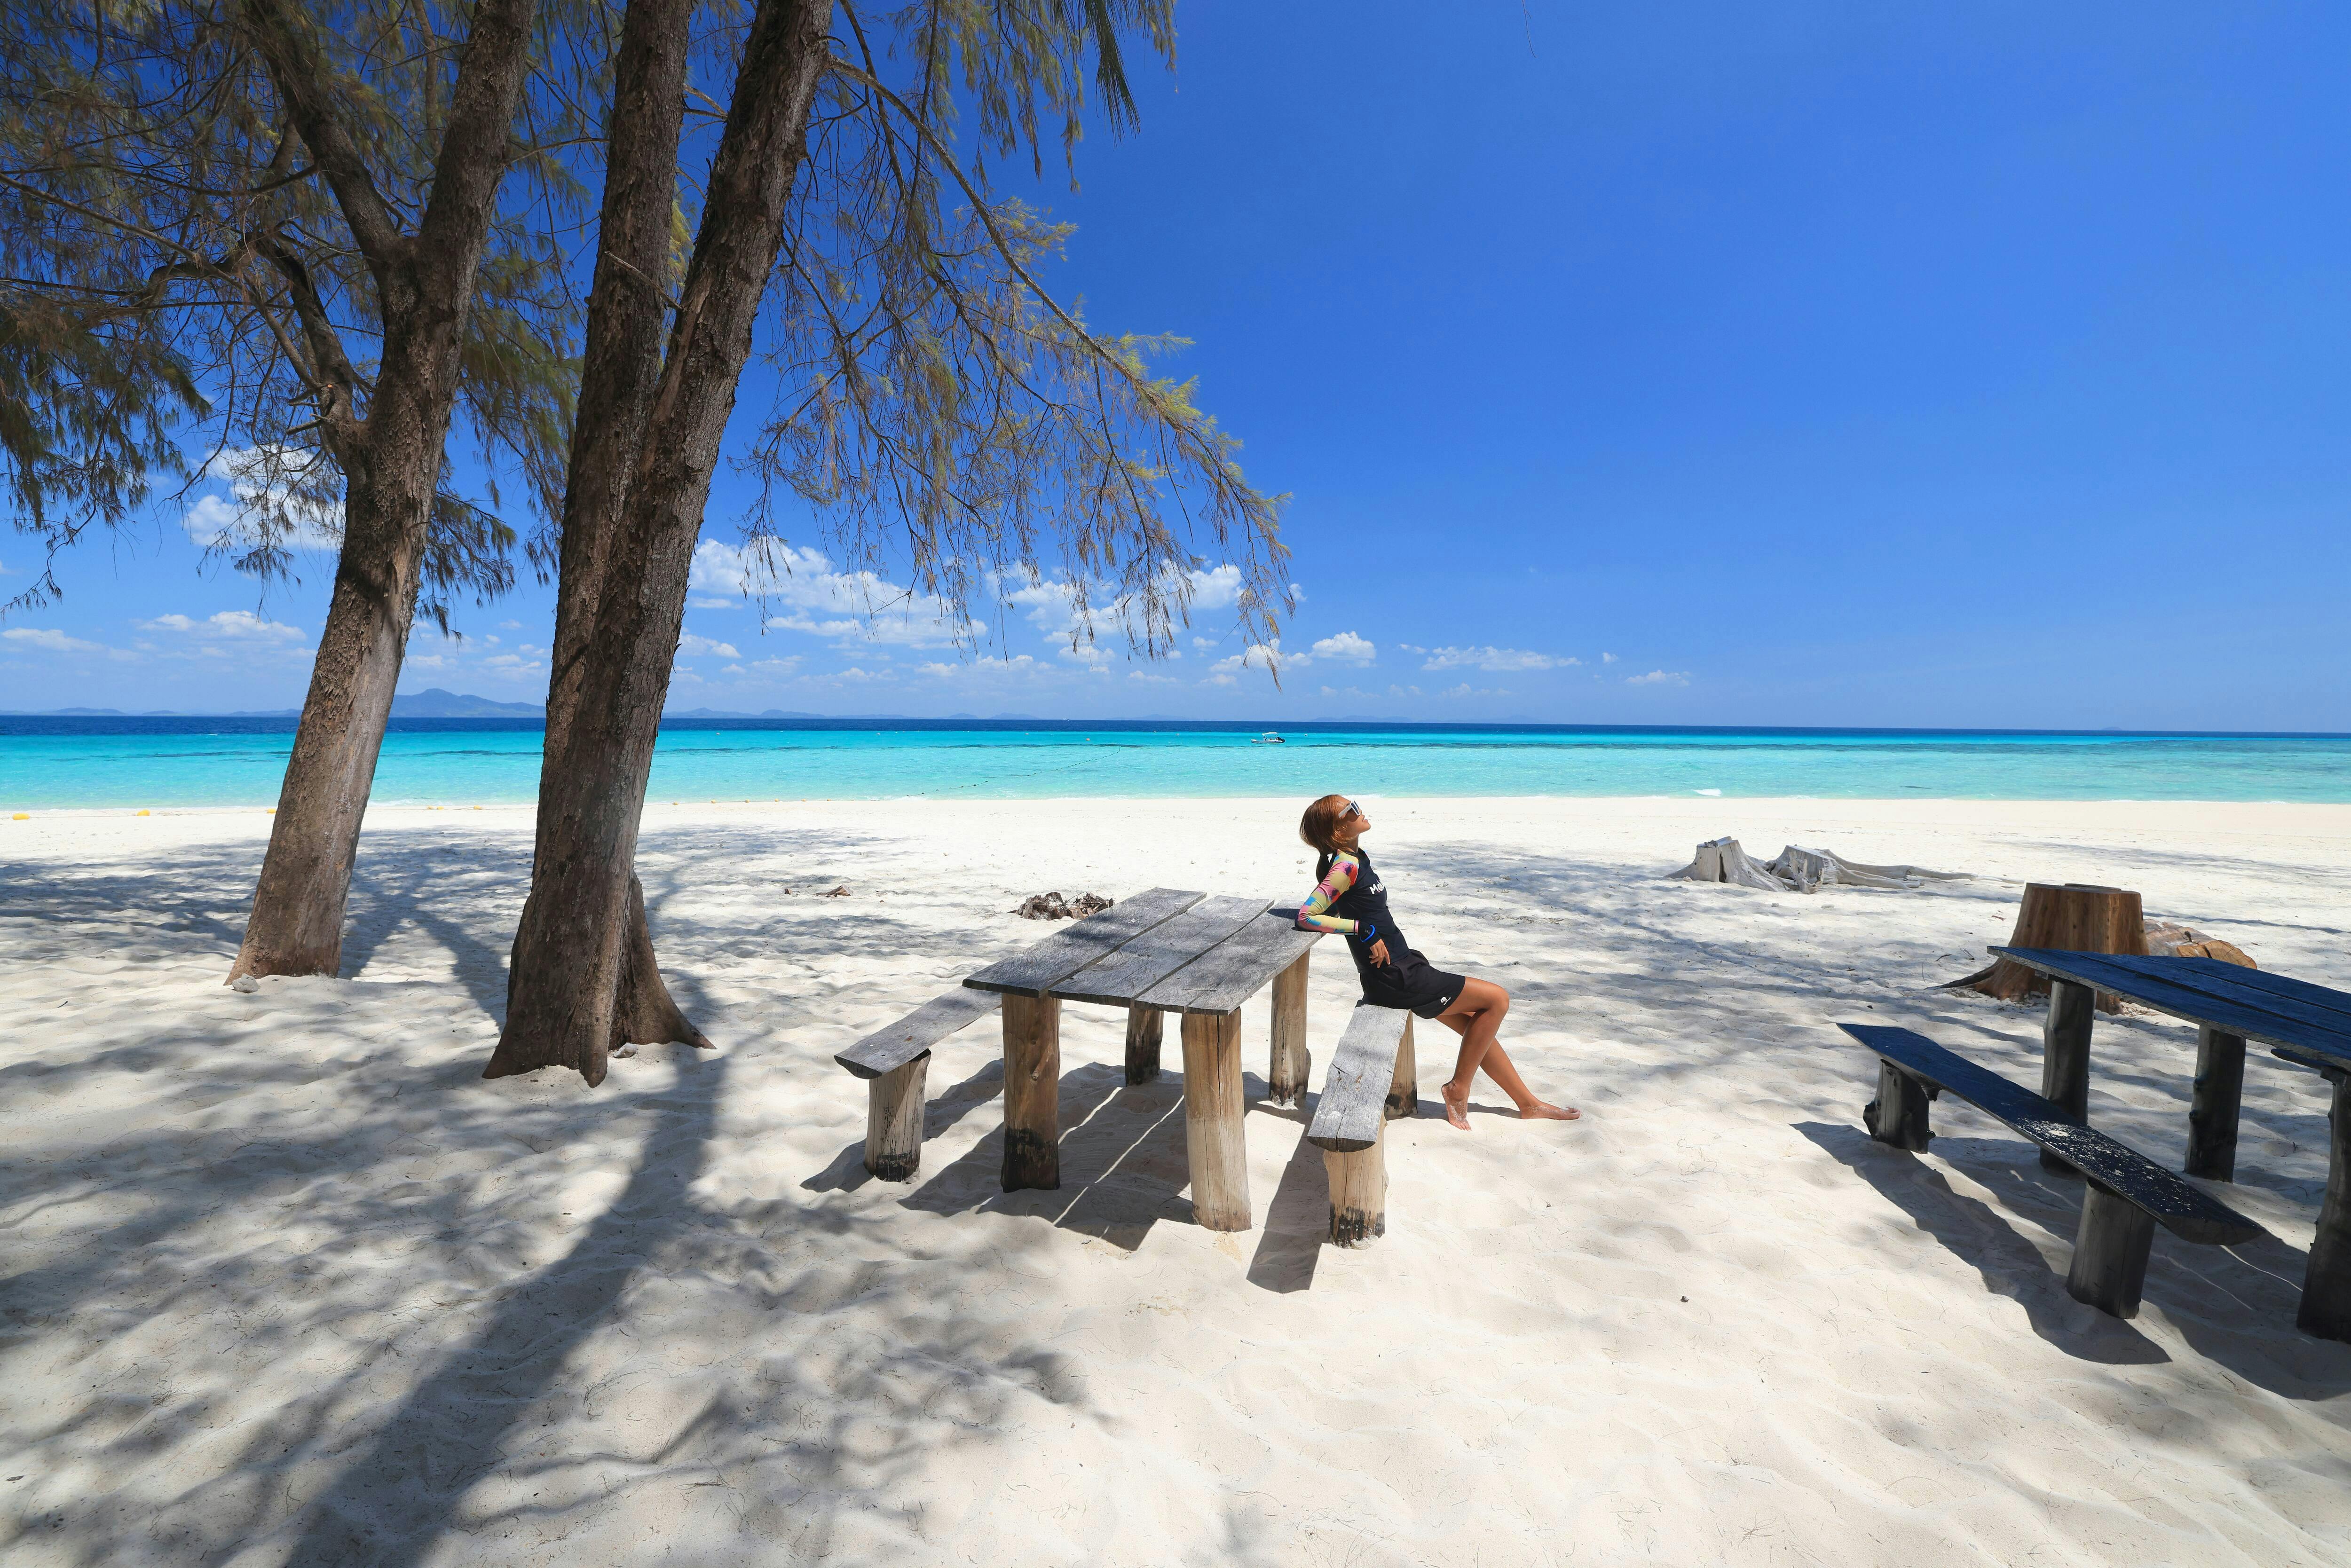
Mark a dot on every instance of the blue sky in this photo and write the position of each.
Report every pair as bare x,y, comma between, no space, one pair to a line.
1957,364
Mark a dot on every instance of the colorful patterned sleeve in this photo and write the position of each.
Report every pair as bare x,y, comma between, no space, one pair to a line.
1341,878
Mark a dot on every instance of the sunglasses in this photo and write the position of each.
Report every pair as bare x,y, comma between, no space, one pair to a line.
1352,810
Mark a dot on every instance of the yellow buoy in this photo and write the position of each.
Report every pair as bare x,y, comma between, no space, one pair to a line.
142,813
24,816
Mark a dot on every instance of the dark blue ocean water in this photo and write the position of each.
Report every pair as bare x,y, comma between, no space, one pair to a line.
47,763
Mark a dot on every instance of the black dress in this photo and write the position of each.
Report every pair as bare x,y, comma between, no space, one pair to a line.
1406,979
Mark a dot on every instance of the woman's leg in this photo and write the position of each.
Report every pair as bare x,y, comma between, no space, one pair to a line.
1477,1017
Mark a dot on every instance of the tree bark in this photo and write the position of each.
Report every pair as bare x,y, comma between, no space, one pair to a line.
620,367
2071,917
569,951
391,463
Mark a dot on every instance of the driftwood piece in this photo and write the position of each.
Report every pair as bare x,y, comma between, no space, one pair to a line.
893,1120
1293,1065
1145,1027
1032,1092
1800,870
1213,1108
2074,918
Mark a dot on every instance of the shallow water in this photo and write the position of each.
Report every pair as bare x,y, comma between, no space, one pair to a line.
64,763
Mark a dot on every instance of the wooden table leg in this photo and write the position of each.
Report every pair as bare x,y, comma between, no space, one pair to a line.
1145,1027
2065,1055
1359,1193
2212,1112
1293,1065
2326,1284
1032,1092
1212,1120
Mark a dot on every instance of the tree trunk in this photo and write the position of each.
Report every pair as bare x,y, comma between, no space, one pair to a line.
569,951
620,368
391,463
2074,918
297,923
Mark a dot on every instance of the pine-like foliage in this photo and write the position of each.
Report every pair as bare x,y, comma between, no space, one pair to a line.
182,291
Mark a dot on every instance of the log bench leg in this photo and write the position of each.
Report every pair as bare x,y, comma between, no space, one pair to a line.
1293,1065
1032,1092
2110,1252
2326,1283
1403,1089
1359,1193
1213,1108
2212,1112
2066,1056
893,1120
1143,1030
1898,1114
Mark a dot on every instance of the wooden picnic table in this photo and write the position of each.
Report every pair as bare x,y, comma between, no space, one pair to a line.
1164,951
2302,1023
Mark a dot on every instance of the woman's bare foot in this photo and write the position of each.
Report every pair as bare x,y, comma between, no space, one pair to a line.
1457,1111
1543,1111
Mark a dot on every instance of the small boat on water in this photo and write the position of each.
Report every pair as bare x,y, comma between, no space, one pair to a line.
1268,738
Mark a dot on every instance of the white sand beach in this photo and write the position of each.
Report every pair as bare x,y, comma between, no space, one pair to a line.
287,1282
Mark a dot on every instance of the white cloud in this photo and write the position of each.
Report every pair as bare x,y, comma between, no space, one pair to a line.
715,603
1346,648
1660,678
691,646
228,625
509,625
56,642
804,593
1297,594
983,669
265,496
1050,605
1607,658
1493,659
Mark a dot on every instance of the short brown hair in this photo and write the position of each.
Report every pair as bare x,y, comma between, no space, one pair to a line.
1320,826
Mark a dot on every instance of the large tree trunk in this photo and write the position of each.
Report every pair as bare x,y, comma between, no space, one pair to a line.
620,367
392,462
572,948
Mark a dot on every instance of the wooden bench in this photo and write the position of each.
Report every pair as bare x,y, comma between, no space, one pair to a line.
1373,1081
895,1060
2127,1193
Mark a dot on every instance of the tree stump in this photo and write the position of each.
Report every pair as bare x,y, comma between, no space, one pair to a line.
2071,917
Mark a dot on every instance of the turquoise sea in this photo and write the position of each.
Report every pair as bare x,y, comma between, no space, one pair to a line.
51,763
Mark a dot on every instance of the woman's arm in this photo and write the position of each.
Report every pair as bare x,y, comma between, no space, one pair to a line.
1341,877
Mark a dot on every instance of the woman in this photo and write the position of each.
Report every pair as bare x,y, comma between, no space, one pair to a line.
1350,902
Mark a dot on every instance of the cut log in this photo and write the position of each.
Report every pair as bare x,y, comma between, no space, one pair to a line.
2072,917
1292,1064
1359,1194
1032,1092
1213,1109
